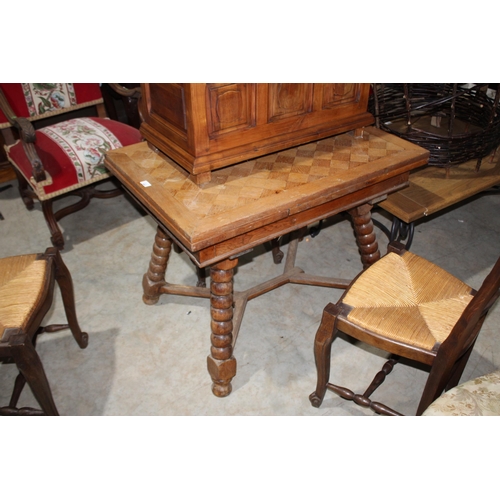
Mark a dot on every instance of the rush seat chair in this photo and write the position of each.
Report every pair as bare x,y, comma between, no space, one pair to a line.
410,308
26,295
62,156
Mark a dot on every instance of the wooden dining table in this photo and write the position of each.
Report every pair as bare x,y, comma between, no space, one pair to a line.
254,202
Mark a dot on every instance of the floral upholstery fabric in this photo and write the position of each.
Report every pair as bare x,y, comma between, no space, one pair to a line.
72,153
44,97
477,397
35,101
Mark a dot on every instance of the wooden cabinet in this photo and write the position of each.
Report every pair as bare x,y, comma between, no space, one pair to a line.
206,126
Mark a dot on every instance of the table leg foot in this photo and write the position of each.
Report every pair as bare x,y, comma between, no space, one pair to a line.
365,235
155,276
222,372
221,363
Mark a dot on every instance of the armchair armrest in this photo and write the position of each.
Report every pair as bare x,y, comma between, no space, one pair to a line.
6,109
130,95
27,134
28,137
23,126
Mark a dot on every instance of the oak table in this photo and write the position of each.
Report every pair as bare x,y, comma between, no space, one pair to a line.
254,202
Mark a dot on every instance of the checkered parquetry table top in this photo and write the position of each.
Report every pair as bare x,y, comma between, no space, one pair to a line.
253,180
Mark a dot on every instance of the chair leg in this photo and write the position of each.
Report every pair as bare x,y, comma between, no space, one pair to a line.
20,381
458,369
322,353
85,194
19,384
63,278
55,231
443,376
29,364
380,376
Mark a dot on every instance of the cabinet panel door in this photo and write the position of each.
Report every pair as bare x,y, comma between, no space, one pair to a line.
287,100
230,107
337,94
168,103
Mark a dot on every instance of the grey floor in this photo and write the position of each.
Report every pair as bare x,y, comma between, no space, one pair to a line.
151,360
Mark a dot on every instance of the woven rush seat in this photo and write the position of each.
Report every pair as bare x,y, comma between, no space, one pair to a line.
23,284
26,295
407,299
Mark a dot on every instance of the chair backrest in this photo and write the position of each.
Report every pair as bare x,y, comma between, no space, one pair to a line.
36,101
467,328
455,350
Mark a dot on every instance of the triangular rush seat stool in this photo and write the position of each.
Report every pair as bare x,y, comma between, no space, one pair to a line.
410,308
26,294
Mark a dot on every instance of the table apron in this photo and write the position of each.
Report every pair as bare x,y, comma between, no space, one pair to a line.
226,249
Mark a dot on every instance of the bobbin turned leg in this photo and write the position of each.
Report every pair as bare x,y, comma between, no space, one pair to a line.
155,276
365,235
221,363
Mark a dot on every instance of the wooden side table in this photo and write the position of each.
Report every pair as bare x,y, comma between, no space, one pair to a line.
254,202
432,189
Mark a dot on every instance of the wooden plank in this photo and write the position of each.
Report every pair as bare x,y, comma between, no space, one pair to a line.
431,190
403,205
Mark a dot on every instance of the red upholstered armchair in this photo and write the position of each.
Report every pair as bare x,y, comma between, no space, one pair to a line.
62,156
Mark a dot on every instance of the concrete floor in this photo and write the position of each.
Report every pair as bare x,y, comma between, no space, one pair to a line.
151,360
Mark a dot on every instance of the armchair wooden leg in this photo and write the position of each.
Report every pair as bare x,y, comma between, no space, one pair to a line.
25,191
55,231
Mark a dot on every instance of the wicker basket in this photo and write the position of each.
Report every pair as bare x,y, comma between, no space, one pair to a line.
455,123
